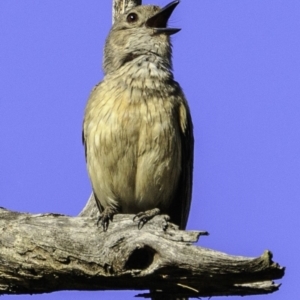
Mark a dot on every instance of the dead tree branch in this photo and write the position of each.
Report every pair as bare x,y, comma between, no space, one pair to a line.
50,252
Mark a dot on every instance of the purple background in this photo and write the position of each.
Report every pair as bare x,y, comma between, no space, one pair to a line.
239,65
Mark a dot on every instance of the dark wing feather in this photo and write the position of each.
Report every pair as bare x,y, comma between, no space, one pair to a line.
84,142
180,207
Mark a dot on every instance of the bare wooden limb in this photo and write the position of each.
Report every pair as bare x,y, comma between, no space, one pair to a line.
47,253
90,209
120,6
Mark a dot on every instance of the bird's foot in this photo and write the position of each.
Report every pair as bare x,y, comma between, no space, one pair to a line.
143,217
106,216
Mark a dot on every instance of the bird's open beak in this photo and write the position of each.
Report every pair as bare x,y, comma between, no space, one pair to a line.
160,20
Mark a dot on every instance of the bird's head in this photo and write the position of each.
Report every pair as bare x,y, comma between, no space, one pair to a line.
141,30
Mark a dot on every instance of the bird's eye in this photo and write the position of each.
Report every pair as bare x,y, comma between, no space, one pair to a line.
132,17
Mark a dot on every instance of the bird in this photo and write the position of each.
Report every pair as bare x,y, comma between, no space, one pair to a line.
137,128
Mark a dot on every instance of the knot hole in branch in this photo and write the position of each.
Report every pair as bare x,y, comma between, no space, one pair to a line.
140,259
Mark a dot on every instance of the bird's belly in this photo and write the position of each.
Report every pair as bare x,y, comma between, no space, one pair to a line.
155,177
134,157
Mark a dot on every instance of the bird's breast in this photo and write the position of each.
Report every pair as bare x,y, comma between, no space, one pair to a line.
133,146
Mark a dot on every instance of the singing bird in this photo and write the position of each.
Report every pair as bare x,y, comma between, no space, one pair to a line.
137,129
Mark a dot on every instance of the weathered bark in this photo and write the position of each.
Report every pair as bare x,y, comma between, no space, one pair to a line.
90,209
50,252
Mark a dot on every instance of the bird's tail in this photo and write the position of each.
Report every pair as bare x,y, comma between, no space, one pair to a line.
162,296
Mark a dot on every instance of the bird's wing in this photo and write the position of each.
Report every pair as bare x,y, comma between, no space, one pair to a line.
86,117
84,142
180,207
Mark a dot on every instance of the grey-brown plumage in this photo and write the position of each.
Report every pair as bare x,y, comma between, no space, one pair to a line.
137,126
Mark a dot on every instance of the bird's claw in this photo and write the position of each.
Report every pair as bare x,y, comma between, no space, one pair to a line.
105,217
141,221
104,223
144,216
